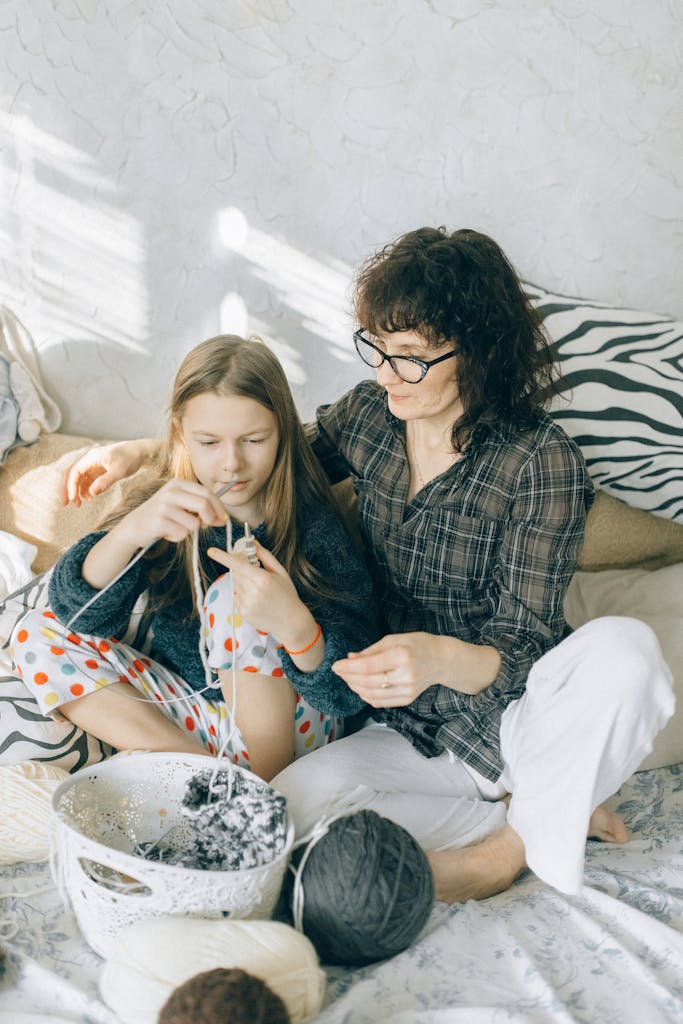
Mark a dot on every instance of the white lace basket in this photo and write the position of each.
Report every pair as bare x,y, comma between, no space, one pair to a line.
102,812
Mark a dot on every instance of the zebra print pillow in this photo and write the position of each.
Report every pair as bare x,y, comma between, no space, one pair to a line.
622,396
25,734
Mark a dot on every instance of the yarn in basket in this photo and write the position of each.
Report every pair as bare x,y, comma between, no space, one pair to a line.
235,822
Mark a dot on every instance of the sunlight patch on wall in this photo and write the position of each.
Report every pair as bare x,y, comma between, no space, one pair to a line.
288,355
233,316
67,251
317,294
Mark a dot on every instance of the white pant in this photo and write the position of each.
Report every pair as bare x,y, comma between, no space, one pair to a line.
591,710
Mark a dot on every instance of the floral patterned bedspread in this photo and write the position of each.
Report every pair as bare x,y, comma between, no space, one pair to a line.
528,956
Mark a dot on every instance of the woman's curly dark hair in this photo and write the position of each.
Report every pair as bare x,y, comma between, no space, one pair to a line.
462,287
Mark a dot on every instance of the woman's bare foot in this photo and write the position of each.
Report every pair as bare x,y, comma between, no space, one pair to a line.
479,871
476,872
607,826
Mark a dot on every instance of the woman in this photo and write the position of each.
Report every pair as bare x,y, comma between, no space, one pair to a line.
472,503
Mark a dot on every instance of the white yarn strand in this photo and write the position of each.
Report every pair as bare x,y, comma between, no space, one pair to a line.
233,670
199,598
98,594
318,832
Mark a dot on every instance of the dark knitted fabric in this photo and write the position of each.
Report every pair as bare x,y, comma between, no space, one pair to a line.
233,823
348,624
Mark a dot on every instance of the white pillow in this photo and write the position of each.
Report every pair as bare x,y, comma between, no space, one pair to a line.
656,598
622,396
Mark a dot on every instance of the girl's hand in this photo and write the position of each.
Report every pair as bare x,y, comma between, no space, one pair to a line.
176,510
101,467
394,671
266,597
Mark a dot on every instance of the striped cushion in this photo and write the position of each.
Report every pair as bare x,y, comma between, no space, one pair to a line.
622,396
25,734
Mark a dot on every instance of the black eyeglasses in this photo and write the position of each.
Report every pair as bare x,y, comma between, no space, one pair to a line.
409,368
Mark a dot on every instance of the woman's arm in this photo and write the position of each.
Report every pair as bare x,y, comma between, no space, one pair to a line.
535,560
336,434
103,466
394,671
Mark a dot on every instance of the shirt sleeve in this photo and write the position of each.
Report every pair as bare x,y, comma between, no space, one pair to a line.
536,561
326,435
68,593
349,622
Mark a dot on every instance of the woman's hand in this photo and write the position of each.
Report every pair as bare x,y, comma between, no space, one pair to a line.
394,671
102,466
266,597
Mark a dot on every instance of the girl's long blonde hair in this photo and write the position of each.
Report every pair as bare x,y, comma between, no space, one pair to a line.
231,365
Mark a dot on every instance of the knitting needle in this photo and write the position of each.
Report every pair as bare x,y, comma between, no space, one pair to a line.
226,487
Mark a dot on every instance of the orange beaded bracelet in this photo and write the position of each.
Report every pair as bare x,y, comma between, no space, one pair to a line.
313,642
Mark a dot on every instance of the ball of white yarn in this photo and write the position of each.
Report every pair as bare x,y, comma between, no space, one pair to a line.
26,790
153,957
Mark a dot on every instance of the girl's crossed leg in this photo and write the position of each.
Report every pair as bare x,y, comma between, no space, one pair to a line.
130,701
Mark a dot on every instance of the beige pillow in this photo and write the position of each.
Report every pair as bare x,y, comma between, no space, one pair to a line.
30,506
654,597
619,536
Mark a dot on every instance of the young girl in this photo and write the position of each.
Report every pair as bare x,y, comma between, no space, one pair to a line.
130,667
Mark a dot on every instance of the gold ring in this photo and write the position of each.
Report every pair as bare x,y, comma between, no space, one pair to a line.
386,684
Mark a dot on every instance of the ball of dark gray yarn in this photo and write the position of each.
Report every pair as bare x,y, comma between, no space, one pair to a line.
368,890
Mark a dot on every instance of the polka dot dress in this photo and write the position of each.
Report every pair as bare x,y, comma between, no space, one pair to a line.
58,666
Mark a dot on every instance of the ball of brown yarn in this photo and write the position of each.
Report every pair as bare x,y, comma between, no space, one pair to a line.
225,995
368,890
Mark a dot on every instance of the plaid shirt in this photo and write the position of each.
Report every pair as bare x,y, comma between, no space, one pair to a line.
484,552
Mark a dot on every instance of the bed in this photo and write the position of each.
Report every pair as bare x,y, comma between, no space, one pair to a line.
532,955
615,953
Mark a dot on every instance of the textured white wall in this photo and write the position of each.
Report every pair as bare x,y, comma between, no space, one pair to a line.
172,168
